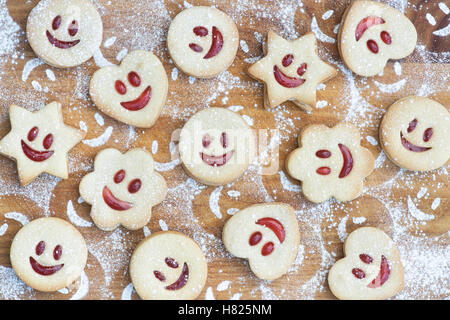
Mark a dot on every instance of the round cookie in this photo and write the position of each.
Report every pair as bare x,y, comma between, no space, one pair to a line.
48,254
202,41
168,265
371,268
414,133
216,146
133,92
265,234
64,33
371,33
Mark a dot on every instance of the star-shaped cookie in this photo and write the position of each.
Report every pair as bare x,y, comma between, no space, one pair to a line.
39,141
291,70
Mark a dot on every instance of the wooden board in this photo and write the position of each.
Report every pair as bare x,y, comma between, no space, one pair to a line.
390,200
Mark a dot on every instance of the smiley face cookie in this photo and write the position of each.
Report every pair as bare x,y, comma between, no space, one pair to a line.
330,162
122,189
202,41
48,254
216,146
168,266
371,33
371,268
39,141
291,71
265,234
64,33
133,92
414,134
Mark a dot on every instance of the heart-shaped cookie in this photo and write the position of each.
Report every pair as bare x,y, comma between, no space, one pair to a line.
371,269
371,33
133,92
265,234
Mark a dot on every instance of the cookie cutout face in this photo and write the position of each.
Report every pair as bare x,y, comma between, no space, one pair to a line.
371,269
122,189
48,254
39,141
216,146
133,92
202,41
64,33
168,266
265,234
330,162
371,33
291,70
414,133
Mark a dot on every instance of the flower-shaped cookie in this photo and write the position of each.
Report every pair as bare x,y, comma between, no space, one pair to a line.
291,70
371,269
122,189
330,162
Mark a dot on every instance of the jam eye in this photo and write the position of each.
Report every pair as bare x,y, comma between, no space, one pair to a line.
206,140
427,134
366,258
302,69
358,273
33,133
412,125
121,88
386,37
134,79
255,238
56,23
48,141
323,154
57,252
172,263
73,28
224,140
287,60
40,248
119,176
134,186
200,31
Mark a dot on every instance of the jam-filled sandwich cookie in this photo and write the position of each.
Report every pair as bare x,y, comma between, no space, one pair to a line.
168,266
133,92
414,133
216,146
64,33
371,33
39,141
265,234
122,189
371,268
291,71
48,254
330,162
202,41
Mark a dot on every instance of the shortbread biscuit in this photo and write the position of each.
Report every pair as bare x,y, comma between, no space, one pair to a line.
48,254
134,92
330,162
202,41
265,234
216,146
291,71
371,268
65,33
122,189
371,33
39,141
168,265
414,134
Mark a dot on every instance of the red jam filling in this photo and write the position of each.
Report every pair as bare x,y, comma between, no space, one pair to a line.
195,47
365,258
348,161
372,45
134,186
412,125
274,225
182,280
365,24
206,140
358,273
323,154
61,44
140,102
119,176
34,155
287,60
200,31
57,252
73,28
172,263
412,147
323,171
217,44
40,248
134,79
302,69
383,275
267,249
48,141
255,238
120,87
56,23
32,134
286,81
427,134
386,37
113,202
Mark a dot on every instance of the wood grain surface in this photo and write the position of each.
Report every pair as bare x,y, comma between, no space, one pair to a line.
389,196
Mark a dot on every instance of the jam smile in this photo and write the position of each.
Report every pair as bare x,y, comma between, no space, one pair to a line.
216,161
140,102
113,202
286,81
44,270
412,147
182,279
382,276
35,155
59,43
